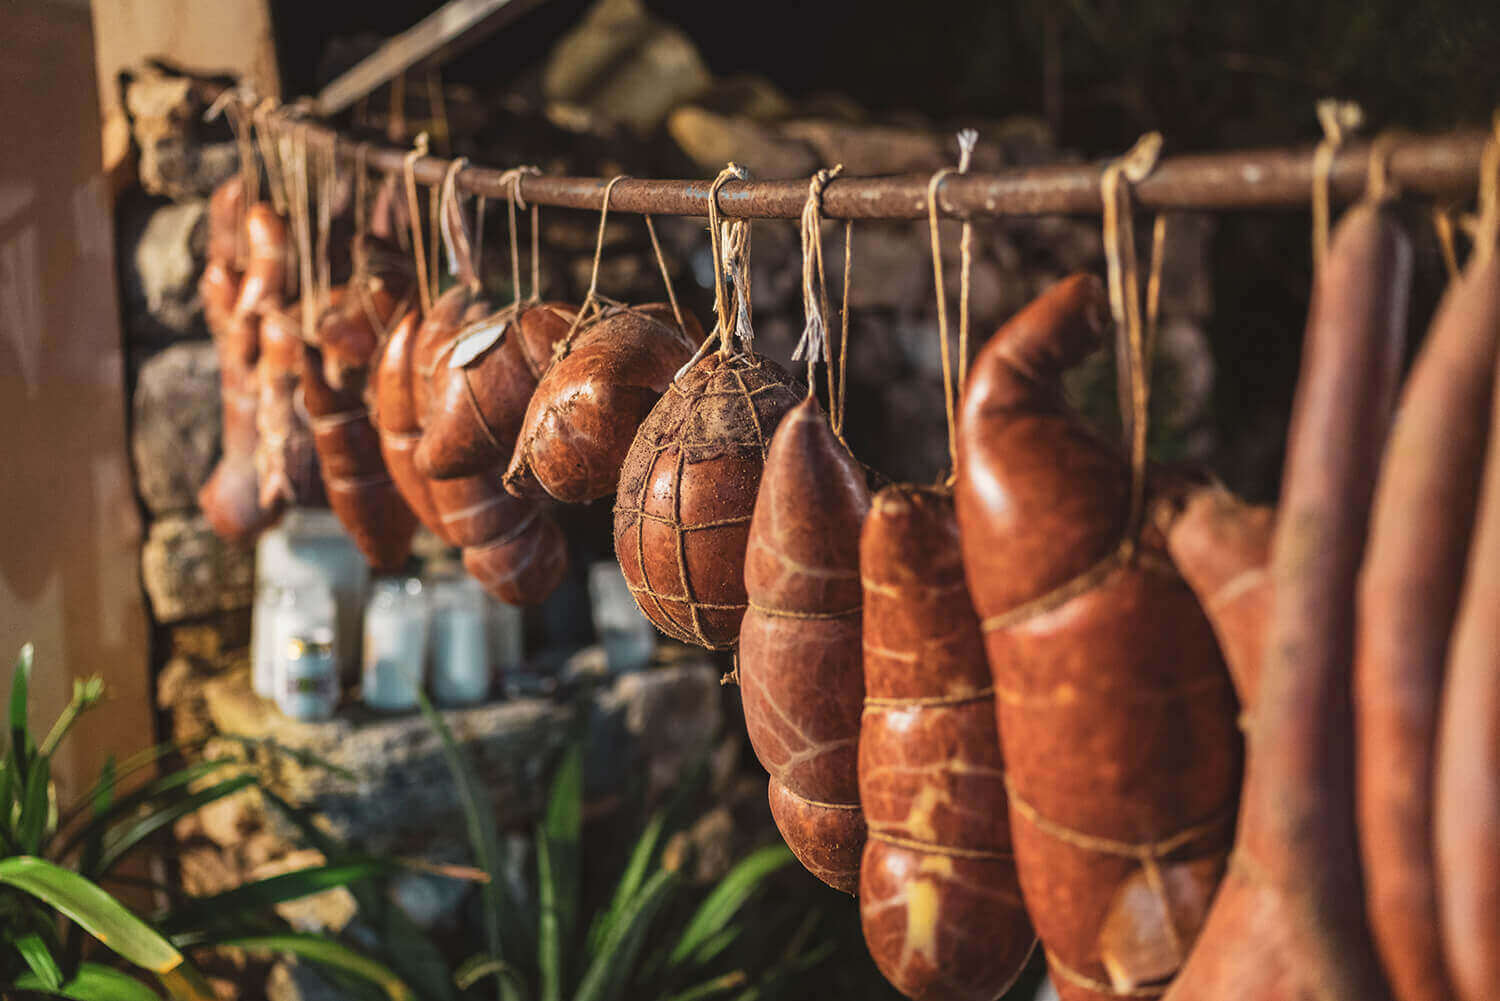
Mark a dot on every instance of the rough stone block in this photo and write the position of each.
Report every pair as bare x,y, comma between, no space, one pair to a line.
174,437
190,572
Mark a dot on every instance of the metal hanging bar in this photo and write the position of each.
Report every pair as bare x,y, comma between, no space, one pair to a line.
1442,165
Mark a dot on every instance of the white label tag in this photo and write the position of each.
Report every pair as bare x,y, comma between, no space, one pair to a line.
476,341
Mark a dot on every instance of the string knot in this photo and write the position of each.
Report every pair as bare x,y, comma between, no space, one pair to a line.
814,342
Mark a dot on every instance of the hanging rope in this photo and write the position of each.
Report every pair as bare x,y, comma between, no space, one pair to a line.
1337,118
666,276
814,343
838,418
463,261
1125,305
590,298
1488,230
419,255
966,142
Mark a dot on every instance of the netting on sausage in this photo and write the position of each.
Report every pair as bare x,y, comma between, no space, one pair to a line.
705,441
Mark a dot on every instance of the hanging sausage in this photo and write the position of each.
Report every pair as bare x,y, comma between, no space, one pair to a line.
690,479
1445,427
231,499
606,374
512,547
336,371
799,665
482,391
1116,716
1289,920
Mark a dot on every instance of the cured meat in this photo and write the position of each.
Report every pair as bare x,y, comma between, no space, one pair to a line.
939,895
1445,428
286,462
481,396
687,489
800,669
584,413
231,499
1289,921
1115,711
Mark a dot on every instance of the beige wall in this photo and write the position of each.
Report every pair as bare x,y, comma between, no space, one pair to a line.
230,37
69,528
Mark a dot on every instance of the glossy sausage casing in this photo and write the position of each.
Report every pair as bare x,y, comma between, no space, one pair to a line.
687,489
799,659
584,414
938,864
1115,711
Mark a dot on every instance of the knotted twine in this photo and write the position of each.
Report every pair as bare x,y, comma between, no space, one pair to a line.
729,242
233,103
967,140
590,303
815,343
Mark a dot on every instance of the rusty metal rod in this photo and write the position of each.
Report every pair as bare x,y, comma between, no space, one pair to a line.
1444,165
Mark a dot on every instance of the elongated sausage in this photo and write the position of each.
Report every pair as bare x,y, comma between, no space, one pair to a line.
1289,920
1408,596
1467,808
1116,714
799,666
939,896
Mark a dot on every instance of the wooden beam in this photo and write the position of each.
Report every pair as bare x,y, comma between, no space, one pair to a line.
436,38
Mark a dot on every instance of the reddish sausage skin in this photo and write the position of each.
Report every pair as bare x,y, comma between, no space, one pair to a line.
938,864
799,664
1116,714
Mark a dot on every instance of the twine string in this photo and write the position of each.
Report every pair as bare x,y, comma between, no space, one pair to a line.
590,298
731,172
275,181
1488,230
462,259
419,254
1337,118
1379,185
838,418
666,275
814,343
232,103
1132,366
326,182
966,140
1442,225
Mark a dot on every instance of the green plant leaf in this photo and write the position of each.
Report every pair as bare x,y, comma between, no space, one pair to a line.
719,907
713,946
93,982
557,872
87,693
120,841
32,826
263,894
409,950
639,864
39,958
476,968
610,970
94,909
137,761
499,912
723,984
20,687
136,798
317,949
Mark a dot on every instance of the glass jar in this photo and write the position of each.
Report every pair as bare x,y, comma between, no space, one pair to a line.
310,544
396,620
305,681
264,652
308,687
460,644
